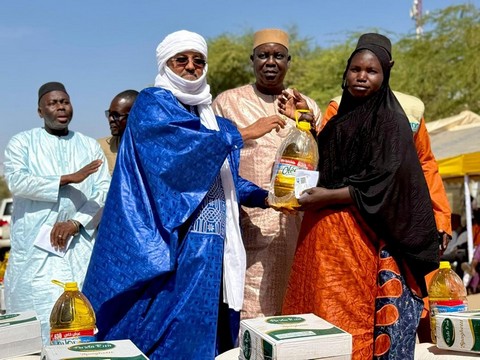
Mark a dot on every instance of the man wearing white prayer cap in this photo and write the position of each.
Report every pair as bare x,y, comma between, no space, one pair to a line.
168,268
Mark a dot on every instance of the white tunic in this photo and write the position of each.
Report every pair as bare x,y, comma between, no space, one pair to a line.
34,162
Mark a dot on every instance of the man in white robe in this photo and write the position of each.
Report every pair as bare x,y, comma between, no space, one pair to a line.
59,181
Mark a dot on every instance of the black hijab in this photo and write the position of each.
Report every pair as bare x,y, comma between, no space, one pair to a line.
368,146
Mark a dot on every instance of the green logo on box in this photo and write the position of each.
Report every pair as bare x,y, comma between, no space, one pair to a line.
448,332
247,345
285,320
8,316
99,346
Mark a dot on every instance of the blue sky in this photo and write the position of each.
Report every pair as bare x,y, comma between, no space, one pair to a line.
98,48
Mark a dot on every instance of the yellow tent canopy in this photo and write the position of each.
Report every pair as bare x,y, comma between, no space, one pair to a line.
460,165
456,146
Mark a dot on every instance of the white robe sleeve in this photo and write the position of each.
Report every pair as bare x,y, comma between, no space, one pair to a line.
21,180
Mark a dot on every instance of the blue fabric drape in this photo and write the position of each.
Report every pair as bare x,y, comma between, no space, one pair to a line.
149,276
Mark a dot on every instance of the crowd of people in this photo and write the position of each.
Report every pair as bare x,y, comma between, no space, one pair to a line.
166,226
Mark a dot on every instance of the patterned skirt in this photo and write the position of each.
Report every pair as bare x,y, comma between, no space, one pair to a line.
345,275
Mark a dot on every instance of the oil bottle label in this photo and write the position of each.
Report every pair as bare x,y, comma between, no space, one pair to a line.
67,337
286,171
447,306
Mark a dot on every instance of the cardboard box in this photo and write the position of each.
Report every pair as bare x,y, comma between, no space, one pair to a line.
459,331
20,334
115,349
293,337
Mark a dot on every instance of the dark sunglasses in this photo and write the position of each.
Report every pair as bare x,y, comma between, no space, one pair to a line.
114,115
183,60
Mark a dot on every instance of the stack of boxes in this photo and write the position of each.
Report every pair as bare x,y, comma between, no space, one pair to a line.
20,334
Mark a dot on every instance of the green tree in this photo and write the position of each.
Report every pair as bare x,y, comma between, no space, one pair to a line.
441,67
322,75
229,62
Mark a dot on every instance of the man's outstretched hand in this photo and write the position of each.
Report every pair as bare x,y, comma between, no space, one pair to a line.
82,174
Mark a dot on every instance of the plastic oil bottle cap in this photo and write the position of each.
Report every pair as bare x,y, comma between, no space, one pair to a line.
68,286
71,286
444,265
303,125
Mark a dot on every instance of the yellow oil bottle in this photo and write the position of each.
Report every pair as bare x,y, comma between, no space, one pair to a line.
72,320
446,293
298,151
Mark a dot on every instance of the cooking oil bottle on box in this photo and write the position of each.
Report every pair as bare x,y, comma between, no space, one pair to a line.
3,266
72,320
446,293
298,151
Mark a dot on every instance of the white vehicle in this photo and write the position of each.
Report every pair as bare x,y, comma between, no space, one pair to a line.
6,207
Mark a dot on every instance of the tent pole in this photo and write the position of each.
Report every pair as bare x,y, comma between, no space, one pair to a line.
468,215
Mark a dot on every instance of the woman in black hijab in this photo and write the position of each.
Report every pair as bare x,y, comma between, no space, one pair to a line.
368,237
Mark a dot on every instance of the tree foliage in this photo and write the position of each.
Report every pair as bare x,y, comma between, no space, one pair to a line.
229,62
440,67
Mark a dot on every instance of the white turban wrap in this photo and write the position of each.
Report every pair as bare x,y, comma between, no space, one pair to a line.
197,92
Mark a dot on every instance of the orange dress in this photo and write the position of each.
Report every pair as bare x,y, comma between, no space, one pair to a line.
413,108
349,296
476,234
